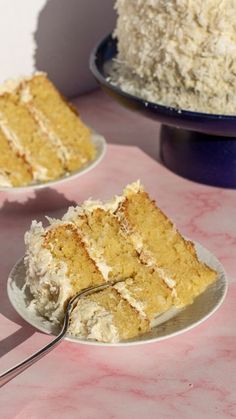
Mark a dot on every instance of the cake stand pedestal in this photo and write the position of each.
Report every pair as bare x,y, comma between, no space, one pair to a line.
198,146
200,157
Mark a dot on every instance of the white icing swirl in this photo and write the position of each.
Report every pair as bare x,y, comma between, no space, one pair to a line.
92,321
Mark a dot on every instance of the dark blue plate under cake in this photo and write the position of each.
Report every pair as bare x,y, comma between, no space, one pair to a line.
198,146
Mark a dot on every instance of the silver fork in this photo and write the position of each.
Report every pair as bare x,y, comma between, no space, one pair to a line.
17,369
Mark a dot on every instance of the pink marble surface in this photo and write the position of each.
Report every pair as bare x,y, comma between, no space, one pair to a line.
189,376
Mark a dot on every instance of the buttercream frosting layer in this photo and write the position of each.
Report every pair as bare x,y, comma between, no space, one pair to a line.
180,53
46,276
90,320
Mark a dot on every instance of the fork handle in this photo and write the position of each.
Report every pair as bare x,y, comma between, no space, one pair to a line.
17,369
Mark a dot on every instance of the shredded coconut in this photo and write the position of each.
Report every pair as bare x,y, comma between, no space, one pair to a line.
92,321
180,53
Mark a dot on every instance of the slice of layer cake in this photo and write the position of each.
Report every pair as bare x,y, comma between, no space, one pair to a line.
59,121
42,131
127,241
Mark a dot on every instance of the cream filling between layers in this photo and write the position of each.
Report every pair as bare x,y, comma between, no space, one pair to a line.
26,97
92,321
97,256
12,85
93,251
145,255
4,179
39,172
124,292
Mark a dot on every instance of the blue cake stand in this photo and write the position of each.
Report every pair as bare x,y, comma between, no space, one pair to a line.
198,146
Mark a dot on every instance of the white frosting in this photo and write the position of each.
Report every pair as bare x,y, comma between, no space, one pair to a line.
4,179
95,252
12,85
47,278
10,135
92,321
121,287
170,282
39,172
145,254
180,54
72,214
133,188
25,94
55,222
112,205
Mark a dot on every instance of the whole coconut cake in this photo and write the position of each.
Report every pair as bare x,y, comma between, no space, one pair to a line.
178,53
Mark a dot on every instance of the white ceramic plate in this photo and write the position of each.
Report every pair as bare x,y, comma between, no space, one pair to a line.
169,324
100,146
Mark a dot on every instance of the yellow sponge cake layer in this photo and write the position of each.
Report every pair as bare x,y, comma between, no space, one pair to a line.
164,247
62,120
14,170
106,316
147,293
31,142
101,230
65,245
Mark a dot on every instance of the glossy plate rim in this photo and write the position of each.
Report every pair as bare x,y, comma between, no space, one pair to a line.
100,146
18,300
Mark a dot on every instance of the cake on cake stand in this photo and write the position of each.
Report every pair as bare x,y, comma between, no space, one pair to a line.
198,146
